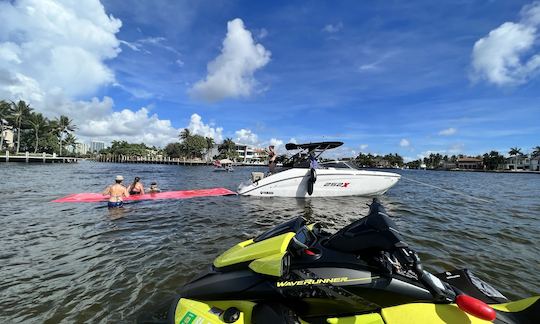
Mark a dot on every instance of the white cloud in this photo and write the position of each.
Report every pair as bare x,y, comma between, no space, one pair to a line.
52,52
134,126
363,147
448,131
246,136
506,56
198,127
276,142
292,140
230,75
262,33
58,45
404,142
330,28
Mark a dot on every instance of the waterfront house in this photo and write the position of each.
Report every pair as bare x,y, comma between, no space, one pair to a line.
523,162
470,163
8,137
448,165
250,154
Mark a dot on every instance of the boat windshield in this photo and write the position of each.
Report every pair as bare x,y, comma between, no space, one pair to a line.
338,165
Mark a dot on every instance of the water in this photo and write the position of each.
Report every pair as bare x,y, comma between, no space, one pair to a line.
63,263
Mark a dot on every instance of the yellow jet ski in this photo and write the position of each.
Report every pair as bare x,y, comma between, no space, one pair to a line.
364,273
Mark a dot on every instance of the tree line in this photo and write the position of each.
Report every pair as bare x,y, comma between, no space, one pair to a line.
189,146
491,161
192,146
34,132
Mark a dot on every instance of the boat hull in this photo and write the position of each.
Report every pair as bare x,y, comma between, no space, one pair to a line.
329,183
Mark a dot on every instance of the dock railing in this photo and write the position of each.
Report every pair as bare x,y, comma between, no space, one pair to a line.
28,157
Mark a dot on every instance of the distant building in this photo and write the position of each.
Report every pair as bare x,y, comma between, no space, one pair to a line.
523,162
82,148
448,165
470,163
209,155
8,137
97,146
250,154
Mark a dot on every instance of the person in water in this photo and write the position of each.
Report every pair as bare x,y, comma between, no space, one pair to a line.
117,193
136,188
272,158
154,188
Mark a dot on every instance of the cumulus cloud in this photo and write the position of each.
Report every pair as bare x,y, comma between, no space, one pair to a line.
230,75
448,131
330,28
292,140
404,142
198,127
246,136
52,52
56,46
508,55
138,126
363,147
276,142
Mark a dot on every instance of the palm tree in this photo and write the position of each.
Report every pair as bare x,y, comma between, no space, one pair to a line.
18,111
5,109
71,140
536,151
185,134
228,148
65,126
514,151
209,145
37,122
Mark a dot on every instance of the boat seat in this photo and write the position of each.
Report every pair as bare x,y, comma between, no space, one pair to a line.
376,231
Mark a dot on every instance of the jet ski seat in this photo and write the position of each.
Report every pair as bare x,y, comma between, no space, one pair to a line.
376,231
294,225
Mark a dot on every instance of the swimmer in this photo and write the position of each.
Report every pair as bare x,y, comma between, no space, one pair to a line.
154,188
117,193
136,188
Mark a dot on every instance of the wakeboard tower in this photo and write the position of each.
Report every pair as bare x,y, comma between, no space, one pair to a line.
364,273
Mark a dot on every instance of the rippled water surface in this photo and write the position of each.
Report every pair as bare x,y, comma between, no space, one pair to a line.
83,263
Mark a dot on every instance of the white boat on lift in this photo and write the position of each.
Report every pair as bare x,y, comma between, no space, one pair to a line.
302,177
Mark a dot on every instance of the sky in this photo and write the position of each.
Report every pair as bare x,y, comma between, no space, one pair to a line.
449,77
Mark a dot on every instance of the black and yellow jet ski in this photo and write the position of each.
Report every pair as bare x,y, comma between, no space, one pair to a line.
364,273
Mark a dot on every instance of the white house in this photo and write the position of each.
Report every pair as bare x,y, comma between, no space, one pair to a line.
523,162
8,137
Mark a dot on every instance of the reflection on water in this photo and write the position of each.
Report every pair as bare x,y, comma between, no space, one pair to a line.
86,263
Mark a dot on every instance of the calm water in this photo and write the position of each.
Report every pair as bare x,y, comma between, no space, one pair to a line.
82,263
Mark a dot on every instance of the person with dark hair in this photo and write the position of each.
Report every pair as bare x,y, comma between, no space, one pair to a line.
117,192
154,188
136,188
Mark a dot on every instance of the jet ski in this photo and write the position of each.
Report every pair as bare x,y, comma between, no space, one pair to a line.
364,273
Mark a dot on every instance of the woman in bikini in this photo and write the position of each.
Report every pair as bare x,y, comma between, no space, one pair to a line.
136,188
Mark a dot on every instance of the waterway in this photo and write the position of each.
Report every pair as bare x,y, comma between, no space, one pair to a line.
64,263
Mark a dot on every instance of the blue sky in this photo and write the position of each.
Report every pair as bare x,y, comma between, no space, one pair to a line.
382,76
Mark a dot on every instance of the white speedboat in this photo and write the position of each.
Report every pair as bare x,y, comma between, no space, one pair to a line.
302,176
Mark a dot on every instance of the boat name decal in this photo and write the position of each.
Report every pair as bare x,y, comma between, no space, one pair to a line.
309,282
337,184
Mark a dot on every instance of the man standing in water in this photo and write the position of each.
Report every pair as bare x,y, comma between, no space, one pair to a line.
117,193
